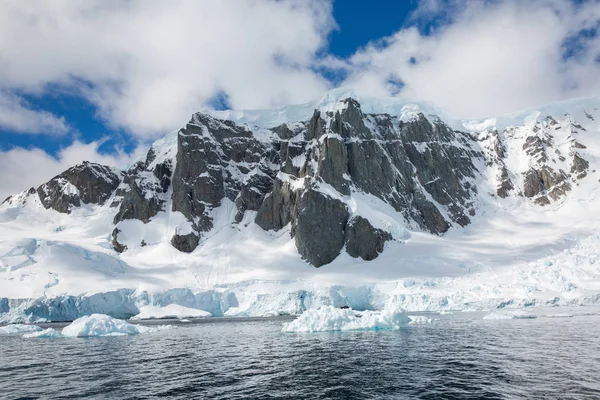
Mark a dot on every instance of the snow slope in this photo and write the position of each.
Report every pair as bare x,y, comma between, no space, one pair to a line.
515,253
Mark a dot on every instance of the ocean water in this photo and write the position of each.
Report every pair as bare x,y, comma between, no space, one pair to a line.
459,356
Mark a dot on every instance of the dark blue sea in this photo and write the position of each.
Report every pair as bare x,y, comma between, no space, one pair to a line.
458,356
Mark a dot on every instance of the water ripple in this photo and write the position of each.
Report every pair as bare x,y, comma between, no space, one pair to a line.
452,359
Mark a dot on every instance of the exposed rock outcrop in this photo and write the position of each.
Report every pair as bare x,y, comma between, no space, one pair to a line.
86,183
185,243
318,227
363,240
114,238
144,189
217,160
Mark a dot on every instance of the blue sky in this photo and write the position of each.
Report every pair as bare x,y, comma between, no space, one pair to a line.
358,24
361,22
100,80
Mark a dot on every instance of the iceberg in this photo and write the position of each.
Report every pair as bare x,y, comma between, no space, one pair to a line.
45,334
170,311
18,328
329,318
104,325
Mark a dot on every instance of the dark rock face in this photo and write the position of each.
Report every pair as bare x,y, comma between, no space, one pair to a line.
216,160
318,227
333,164
185,243
404,163
86,183
119,248
580,166
539,181
144,189
277,208
364,241
505,184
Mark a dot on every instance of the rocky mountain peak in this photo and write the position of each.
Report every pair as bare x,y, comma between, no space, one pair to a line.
309,177
86,183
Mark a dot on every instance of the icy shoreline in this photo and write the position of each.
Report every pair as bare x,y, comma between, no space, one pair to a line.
248,301
568,278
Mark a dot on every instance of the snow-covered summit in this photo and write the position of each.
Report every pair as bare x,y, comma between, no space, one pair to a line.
406,109
332,101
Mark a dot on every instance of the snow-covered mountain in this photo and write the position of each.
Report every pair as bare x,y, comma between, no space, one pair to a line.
395,202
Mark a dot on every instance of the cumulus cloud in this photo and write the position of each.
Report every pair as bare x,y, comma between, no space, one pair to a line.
486,58
17,116
147,65
25,168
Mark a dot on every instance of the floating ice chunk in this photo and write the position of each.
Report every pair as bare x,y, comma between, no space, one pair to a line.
103,325
510,315
99,325
497,316
170,311
419,319
558,315
18,328
45,334
334,319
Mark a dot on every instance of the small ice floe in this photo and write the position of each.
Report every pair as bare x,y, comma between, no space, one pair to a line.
104,325
170,311
419,320
510,315
45,334
335,319
558,315
18,328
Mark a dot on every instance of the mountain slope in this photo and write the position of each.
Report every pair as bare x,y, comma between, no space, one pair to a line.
234,217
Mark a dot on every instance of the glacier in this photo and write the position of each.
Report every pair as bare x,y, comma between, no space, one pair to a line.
514,254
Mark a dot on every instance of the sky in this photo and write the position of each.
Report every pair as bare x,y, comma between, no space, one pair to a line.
99,80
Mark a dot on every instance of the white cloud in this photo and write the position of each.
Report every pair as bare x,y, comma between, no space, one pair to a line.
25,168
493,58
148,64
17,116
